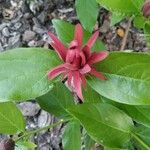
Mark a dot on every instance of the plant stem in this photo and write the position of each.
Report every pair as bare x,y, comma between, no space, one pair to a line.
39,130
124,41
141,142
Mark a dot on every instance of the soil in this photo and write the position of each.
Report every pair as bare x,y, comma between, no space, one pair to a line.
25,23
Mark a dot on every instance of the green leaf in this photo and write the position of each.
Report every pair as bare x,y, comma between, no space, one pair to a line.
65,32
25,145
57,100
116,18
139,22
90,95
23,73
128,78
147,31
126,7
138,113
144,133
91,9
71,139
106,124
11,119
88,141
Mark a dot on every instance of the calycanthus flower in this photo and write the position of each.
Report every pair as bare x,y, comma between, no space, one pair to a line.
78,60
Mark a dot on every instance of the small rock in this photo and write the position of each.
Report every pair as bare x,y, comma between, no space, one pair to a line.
14,41
38,30
28,35
17,25
42,17
5,32
105,27
44,119
29,109
32,43
1,48
2,26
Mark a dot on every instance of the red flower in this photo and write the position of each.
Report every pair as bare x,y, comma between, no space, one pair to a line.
146,9
78,60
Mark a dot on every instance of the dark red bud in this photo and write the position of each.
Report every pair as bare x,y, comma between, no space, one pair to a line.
7,144
146,9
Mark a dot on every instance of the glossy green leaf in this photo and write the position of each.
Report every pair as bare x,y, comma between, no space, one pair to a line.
23,73
144,134
91,9
147,31
57,100
71,138
116,18
138,113
25,145
90,95
105,123
128,78
65,32
126,7
88,141
11,119
139,22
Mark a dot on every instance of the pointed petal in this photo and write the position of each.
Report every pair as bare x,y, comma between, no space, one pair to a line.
87,52
97,74
70,56
77,84
58,46
56,71
69,80
85,69
73,44
92,39
97,56
83,80
78,35
83,59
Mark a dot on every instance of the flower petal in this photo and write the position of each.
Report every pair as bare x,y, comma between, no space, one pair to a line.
87,51
83,59
78,35
85,69
92,39
58,46
69,80
97,56
56,71
83,80
97,74
70,56
77,84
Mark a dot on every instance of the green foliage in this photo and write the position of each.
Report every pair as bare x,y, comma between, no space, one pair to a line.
87,12
57,100
23,73
25,145
120,6
105,123
127,78
144,133
72,136
127,8
11,119
147,31
88,141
